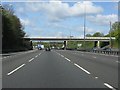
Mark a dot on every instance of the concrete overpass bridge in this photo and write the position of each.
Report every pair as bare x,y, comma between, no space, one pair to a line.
65,39
69,38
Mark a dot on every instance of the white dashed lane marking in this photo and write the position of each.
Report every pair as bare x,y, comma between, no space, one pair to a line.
62,56
82,68
21,66
109,86
31,60
117,61
36,56
75,64
96,77
16,69
94,57
67,59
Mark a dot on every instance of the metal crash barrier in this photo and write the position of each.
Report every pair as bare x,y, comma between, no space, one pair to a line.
106,52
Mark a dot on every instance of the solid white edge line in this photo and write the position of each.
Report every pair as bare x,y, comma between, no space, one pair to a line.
109,86
82,68
16,69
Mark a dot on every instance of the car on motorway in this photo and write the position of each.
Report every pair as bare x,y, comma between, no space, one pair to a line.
47,49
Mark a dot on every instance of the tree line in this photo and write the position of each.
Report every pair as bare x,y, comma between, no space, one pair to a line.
12,32
114,32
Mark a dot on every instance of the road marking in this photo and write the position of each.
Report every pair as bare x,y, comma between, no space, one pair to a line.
62,56
117,61
58,53
94,57
109,86
96,77
16,69
36,56
31,60
67,59
40,54
82,68
82,54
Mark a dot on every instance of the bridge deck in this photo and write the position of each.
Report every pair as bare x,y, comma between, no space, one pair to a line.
68,38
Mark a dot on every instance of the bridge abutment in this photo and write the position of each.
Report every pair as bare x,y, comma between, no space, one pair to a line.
65,45
100,44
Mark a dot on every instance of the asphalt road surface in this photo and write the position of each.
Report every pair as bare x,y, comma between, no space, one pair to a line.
59,69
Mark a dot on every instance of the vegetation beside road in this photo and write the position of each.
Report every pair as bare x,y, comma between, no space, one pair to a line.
12,32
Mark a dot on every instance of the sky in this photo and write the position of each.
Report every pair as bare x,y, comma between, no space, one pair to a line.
63,19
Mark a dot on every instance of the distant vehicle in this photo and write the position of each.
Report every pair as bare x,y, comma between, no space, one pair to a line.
40,47
48,49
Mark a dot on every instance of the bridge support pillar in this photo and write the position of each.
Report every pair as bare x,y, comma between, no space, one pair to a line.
31,45
65,45
98,44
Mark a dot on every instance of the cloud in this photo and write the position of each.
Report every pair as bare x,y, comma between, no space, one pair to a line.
80,7
56,11
59,34
103,19
88,30
59,26
49,13
25,22
28,22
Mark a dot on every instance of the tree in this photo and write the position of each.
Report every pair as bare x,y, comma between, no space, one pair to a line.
88,35
13,31
115,31
98,34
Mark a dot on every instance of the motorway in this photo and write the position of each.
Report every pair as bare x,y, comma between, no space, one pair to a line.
59,69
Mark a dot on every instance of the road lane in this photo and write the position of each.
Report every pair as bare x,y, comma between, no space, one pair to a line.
11,63
50,70
102,68
107,59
